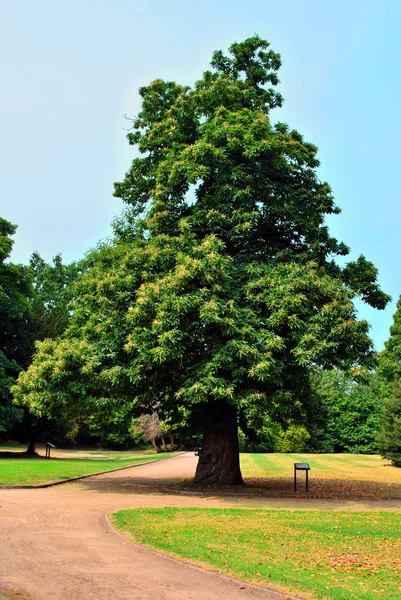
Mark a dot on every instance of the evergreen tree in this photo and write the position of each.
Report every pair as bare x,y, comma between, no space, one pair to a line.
348,413
389,438
15,289
390,357
221,288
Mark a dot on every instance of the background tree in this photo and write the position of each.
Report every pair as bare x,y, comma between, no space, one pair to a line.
149,428
221,290
389,438
51,293
53,290
347,413
390,357
15,312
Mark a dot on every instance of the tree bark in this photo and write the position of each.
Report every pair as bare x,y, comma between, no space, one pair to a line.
219,457
31,450
155,445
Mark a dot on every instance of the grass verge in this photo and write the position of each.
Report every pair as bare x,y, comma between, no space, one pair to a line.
324,555
35,471
342,476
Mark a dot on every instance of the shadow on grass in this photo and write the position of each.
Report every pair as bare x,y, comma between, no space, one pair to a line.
11,454
319,488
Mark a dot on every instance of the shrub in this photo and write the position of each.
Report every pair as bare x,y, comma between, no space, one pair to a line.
293,439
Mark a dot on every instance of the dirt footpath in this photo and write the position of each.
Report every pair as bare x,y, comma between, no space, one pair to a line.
56,542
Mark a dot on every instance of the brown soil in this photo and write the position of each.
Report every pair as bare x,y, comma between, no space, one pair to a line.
56,542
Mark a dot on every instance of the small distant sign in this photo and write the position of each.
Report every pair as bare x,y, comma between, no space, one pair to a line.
301,467
48,447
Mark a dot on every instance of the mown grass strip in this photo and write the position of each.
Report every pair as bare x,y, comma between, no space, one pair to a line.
325,555
35,471
344,466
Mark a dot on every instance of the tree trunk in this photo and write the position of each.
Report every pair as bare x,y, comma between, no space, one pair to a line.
155,445
219,457
31,450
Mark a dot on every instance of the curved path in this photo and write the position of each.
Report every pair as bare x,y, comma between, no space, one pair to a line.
56,542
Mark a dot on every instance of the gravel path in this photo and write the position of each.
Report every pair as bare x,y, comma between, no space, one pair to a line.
56,542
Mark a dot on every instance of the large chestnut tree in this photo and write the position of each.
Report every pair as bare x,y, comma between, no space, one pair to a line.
221,288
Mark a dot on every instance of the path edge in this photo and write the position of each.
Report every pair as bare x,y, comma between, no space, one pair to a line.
280,595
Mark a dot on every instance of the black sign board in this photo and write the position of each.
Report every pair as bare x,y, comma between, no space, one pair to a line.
48,446
301,467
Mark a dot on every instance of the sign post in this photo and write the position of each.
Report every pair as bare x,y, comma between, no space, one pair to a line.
48,447
301,467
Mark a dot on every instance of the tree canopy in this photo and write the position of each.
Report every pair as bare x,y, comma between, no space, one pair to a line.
15,289
348,413
221,288
390,357
33,305
389,438
53,290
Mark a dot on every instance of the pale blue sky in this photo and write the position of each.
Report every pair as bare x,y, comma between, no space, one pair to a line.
70,70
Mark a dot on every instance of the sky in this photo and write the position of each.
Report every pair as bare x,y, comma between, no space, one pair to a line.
70,71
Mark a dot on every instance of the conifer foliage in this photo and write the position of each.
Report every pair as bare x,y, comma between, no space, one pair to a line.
390,357
15,289
220,289
389,438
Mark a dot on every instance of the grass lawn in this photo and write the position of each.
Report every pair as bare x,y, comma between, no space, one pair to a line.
12,594
324,555
331,476
23,471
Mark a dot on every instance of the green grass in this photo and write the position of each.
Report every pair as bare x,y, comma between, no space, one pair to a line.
325,555
323,465
13,448
331,476
29,471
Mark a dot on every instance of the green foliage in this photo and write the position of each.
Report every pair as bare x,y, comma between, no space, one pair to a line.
260,439
220,286
292,439
390,357
33,305
110,432
53,289
389,437
348,414
15,288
